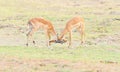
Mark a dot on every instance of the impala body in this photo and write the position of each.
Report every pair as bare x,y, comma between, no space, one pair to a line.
39,23
74,23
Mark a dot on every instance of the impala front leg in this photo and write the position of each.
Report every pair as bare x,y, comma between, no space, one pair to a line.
48,38
30,36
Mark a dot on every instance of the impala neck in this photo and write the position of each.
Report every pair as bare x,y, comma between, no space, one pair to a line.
55,35
63,33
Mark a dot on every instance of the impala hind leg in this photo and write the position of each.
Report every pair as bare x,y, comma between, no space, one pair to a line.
70,40
82,33
30,37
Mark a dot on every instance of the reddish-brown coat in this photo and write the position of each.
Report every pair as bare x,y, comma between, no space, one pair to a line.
76,22
40,23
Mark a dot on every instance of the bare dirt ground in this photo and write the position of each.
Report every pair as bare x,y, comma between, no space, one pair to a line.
48,65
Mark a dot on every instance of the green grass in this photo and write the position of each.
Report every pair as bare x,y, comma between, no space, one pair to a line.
89,53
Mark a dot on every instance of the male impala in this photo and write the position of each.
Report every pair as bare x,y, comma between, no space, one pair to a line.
76,22
37,23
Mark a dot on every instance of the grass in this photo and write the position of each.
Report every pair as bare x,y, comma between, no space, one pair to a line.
89,53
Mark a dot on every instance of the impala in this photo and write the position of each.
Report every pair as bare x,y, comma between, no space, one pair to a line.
76,22
39,23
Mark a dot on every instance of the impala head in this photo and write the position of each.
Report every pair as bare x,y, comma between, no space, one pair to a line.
58,40
61,41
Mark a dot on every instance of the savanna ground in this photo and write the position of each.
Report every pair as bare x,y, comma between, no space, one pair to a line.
100,53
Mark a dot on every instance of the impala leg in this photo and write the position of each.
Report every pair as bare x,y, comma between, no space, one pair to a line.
48,38
82,33
30,36
82,37
27,40
70,41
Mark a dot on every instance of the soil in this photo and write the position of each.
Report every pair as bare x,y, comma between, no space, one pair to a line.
50,65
